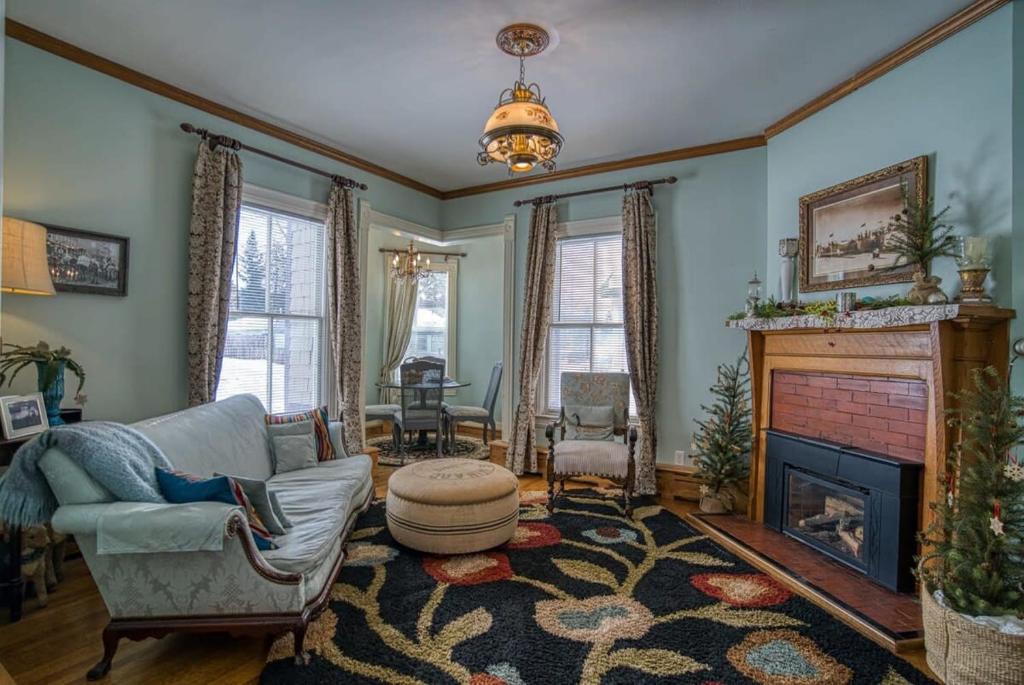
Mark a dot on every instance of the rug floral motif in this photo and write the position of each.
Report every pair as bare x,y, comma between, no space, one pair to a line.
466,447
581,596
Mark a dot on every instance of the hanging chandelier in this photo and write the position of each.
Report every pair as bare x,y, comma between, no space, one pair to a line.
521,133
409,265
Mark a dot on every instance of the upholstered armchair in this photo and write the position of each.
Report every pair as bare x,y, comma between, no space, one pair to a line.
594,414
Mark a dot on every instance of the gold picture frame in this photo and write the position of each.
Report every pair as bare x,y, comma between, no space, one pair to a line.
843,228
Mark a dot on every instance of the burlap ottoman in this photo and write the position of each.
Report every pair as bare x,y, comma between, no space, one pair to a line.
452,506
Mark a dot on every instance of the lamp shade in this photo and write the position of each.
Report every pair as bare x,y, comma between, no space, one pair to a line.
25,269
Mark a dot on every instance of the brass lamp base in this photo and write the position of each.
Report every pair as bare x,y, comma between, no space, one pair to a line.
972,286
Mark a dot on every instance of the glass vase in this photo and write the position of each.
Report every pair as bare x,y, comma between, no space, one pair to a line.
53,395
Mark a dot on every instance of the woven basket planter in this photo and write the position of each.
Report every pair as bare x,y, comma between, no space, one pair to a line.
961,652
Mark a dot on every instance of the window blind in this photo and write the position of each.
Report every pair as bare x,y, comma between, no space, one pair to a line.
586,331
274,346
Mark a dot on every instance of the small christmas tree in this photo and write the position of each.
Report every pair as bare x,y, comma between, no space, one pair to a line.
724,437
976,554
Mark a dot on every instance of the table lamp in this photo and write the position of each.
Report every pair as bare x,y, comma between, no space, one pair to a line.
25,269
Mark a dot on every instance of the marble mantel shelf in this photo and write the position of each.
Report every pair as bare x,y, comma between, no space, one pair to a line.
890,317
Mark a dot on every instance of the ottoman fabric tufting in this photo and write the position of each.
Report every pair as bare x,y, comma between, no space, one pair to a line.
452,506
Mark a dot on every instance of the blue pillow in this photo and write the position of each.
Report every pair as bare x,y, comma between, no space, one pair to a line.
182,488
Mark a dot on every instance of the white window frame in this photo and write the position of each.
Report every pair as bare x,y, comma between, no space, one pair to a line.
451,266
308,210
585,228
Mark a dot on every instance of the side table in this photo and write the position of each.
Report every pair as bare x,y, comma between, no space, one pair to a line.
12,586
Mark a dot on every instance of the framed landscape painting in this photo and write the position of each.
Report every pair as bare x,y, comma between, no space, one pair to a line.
87,262
844,234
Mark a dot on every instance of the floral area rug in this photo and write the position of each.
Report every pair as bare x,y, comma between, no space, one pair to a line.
582,596
465,448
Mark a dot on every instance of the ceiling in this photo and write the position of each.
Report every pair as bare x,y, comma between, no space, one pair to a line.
408,84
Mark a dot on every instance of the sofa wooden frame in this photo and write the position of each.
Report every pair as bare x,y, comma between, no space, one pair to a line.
235,624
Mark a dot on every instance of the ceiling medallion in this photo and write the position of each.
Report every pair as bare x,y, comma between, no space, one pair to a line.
521,133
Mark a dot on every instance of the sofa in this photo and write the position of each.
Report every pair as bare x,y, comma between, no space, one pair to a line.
163,568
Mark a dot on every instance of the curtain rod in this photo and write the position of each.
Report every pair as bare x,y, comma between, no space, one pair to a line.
625,186
217,139
437,254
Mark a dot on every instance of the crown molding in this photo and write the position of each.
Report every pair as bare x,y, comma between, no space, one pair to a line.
933,36
929,39
38,39
614,165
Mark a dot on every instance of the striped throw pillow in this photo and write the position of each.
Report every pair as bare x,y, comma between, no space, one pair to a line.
324,446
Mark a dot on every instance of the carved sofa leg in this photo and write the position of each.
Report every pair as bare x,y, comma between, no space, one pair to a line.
299,634
110,639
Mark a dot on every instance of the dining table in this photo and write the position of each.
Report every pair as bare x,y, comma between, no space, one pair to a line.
422,389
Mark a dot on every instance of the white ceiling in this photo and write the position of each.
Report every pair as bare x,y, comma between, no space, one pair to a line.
408,84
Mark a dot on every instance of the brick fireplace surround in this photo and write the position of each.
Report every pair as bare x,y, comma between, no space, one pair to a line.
880,414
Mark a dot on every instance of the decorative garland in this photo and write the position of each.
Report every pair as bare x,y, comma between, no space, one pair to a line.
826,309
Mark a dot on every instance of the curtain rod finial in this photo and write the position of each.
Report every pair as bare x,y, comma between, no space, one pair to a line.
671,179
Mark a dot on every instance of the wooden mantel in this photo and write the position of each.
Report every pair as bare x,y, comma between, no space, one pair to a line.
935,345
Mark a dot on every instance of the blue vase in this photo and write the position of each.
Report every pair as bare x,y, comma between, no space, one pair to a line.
53,395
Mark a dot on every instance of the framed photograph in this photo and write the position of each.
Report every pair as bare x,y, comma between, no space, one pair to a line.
844,229
23,415
87,262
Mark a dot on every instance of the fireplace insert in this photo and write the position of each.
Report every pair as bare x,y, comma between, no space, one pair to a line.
857,507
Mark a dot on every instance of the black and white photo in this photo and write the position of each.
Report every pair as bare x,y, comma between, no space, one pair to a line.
87,262
23,415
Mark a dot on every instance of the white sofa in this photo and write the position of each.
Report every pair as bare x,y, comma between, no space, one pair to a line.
163,568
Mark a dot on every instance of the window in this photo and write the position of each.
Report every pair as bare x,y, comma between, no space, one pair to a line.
433,325
586,331
275,339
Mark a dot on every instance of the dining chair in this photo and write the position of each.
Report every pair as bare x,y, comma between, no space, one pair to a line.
421,387
595,409
388,413
483,414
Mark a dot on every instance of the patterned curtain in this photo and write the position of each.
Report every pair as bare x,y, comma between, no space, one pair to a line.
540,280
401,309
212,239
344,312
640,319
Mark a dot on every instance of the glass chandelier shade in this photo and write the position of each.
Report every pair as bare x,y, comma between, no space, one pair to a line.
409,265
521,133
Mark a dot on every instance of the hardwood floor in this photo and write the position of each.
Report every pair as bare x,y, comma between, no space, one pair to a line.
60,643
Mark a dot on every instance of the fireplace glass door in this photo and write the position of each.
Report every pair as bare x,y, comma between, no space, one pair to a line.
826,515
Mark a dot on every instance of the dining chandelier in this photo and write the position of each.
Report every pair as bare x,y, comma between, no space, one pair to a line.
521,133
409,265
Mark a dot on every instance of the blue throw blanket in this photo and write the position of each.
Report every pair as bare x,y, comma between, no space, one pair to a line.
119,458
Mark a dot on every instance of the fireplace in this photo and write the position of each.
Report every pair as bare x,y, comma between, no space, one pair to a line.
857,507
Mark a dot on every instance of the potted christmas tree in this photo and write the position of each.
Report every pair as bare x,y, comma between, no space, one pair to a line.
972,572
724,438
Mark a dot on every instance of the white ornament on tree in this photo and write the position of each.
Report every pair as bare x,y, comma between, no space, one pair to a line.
996,525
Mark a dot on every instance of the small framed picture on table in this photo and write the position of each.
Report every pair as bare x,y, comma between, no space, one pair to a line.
23,415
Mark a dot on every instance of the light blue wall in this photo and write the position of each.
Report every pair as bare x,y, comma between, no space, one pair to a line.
88,151
481,276
952,103
710,239
1018,178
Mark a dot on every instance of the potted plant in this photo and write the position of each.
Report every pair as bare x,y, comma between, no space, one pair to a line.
50,367
972,571
724,438
918,235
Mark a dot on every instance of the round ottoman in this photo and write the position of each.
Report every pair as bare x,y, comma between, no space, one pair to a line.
452,506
